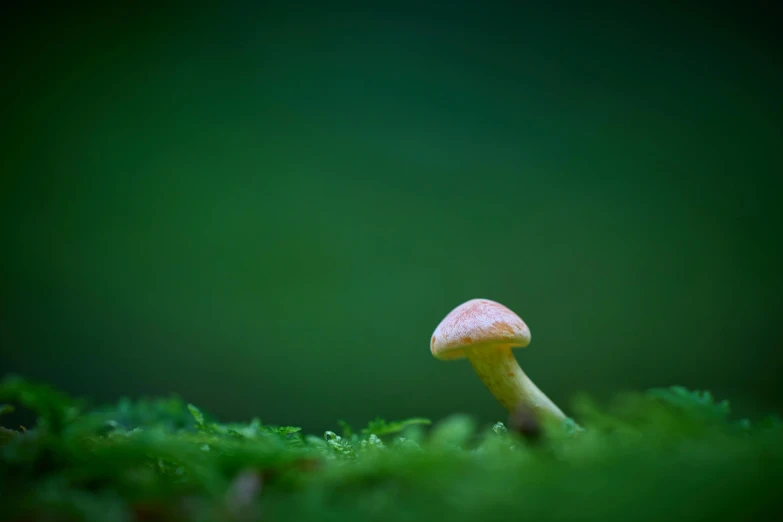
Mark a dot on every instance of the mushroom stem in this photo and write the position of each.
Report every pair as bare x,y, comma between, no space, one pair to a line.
501,374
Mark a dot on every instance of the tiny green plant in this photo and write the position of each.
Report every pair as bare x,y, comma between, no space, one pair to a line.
666,454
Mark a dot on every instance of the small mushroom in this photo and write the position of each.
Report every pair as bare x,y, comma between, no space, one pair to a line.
484,332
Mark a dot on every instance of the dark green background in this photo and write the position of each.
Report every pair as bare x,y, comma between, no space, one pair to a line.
268,211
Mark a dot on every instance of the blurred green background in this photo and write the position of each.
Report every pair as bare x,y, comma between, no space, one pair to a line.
268,211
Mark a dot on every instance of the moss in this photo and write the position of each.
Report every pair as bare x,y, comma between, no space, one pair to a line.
664,454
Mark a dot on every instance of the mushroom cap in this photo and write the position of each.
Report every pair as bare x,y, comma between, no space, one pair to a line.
478,323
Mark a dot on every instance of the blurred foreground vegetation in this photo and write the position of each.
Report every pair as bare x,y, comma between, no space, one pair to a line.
666,454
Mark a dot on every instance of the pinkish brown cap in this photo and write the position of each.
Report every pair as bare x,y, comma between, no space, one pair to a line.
475,323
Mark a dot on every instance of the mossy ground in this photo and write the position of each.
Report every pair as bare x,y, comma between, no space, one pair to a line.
667,454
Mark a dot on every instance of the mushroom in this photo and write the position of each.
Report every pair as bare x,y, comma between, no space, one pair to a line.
484,332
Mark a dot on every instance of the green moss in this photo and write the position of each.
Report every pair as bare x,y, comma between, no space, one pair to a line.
665,454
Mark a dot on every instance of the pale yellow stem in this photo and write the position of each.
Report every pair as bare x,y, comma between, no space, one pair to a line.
497,367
